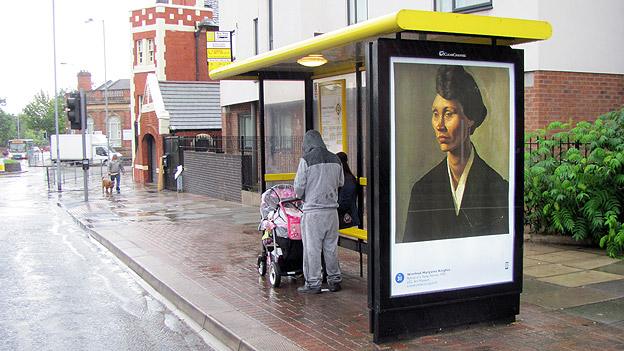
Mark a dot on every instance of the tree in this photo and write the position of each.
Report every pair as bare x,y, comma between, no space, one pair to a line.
8,129
38,115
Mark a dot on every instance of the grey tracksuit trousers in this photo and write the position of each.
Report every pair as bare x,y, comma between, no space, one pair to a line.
320,233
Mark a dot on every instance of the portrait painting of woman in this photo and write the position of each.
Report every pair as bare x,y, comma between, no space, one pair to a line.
461,196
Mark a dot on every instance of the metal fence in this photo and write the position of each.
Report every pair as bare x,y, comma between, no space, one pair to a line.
558,148
281,153
72,175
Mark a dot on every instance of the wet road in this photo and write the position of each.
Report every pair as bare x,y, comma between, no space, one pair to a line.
60,290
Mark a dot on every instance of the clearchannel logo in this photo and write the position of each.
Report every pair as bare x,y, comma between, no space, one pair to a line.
399,278
450,54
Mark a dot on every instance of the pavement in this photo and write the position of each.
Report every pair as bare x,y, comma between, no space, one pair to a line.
200,253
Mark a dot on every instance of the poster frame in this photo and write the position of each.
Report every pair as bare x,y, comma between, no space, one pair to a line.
393,316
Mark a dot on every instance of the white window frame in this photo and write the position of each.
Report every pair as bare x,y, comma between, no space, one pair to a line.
463,6
114,131
139,52
357,11
150,50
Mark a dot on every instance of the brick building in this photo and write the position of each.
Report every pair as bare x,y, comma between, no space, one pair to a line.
169,42
118,129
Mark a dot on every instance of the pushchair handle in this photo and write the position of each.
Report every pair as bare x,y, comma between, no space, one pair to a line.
290,199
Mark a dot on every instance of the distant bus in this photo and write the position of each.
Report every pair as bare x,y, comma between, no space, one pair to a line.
19,148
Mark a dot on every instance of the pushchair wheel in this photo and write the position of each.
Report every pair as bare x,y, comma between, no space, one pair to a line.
262,265
274,275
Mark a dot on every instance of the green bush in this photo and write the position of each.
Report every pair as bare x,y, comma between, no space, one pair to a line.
9,161
578,191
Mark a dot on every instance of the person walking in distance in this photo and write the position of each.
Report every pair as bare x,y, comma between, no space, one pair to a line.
318,178
114,171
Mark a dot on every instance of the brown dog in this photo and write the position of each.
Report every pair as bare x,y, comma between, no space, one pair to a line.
107,186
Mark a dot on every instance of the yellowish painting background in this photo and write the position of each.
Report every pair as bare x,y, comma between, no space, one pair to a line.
417,150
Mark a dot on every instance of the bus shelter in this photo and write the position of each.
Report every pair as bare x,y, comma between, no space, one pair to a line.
434,261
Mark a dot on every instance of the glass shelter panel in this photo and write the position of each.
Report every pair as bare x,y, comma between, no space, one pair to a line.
284,125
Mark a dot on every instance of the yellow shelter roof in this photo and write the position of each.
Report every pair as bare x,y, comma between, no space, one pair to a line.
342,48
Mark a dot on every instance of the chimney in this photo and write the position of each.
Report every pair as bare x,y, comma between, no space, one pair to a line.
84,80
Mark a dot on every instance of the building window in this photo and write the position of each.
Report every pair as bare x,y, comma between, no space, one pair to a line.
139,105
464,6
255,33
150,50
246,130
357,11
139,52
282,134
114,131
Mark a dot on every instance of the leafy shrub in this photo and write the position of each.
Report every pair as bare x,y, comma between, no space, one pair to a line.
9,161
574,181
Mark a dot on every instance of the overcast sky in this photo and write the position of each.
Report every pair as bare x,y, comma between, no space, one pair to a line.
26,50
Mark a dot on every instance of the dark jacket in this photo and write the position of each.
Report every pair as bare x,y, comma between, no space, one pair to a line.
483,211
347,201
319,174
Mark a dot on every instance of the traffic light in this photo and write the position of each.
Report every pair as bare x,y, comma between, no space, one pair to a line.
73,110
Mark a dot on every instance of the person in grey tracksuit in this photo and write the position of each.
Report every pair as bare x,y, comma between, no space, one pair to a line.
318,178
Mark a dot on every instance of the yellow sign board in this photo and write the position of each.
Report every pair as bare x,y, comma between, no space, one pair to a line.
218,49
217,64
219,53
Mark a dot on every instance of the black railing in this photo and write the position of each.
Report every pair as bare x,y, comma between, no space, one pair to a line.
282,153
558,147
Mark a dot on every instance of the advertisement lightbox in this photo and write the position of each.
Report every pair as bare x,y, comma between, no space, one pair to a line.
447,159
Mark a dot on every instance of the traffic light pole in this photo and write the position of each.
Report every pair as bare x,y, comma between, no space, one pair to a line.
85,160
56,118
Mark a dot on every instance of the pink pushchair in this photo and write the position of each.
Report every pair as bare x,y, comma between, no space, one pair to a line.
280,226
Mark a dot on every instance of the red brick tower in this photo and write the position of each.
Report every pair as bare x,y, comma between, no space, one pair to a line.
84,81
166,42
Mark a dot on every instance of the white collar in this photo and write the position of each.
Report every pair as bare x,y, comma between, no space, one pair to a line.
458,194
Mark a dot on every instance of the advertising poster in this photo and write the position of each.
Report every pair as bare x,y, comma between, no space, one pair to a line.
452,174
332,107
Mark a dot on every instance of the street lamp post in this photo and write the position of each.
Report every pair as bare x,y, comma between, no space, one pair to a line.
56,119
108,135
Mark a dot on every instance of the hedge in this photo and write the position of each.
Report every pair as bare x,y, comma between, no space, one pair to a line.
578,190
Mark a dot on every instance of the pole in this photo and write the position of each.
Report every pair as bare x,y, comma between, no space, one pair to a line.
56,119
85,160
261,127
359,128
106,94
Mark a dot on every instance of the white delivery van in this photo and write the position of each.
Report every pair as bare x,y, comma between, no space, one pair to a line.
70,148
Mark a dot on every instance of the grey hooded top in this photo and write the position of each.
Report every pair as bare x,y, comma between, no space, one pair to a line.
115,166
319,174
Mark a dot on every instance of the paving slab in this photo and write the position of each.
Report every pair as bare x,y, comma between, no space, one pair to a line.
547,270
564,256
581,278
592,263
529,262
615,268
532,249
615,287
557,297
608,312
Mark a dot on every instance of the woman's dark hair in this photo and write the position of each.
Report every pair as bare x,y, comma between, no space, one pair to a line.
454,83
345,166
